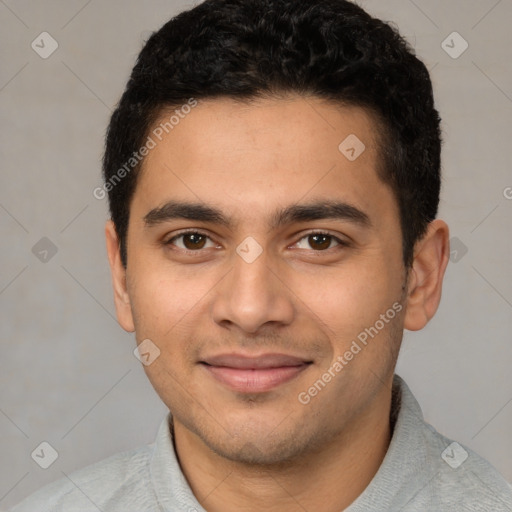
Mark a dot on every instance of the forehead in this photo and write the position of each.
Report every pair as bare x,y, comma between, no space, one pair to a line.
252,156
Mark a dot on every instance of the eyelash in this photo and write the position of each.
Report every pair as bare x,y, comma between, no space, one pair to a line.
341,243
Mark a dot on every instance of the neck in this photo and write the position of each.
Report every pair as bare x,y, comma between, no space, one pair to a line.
329,478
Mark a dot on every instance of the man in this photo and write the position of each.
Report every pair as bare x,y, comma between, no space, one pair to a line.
273,171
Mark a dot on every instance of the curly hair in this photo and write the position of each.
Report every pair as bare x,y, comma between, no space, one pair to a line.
245,49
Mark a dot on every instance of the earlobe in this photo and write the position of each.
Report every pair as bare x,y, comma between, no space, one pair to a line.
118,273
431,255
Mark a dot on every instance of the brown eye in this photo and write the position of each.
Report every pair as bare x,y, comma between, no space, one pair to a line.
319,242
190,241
194,241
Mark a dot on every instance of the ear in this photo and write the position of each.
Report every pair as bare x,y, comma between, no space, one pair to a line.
121,297
431,255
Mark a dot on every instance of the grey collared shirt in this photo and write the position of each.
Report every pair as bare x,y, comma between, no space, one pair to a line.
422,471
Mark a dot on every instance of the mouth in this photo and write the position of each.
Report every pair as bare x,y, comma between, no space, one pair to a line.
254,374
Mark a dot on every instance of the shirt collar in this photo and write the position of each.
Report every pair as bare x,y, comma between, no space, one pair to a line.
407,459
171,488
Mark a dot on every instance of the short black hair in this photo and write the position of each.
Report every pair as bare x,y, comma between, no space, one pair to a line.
246,49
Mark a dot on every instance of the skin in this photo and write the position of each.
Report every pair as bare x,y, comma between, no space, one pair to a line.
308,297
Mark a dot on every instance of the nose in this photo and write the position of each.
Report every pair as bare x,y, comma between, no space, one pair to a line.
253,295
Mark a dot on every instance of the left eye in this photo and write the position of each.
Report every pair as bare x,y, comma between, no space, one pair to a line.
319,241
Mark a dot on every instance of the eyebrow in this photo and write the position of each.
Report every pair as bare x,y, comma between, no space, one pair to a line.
294,213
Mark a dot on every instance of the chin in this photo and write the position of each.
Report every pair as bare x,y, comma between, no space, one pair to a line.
256,454
259,445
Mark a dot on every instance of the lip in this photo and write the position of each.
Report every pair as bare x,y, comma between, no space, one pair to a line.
258,374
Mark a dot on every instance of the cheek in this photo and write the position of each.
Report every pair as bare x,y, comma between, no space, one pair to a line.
349,299
159,300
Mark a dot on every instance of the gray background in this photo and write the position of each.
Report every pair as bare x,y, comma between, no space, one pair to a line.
68,374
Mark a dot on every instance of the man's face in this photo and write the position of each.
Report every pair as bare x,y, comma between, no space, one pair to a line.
250,312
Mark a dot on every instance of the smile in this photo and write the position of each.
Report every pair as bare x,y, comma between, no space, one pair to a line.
254,374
